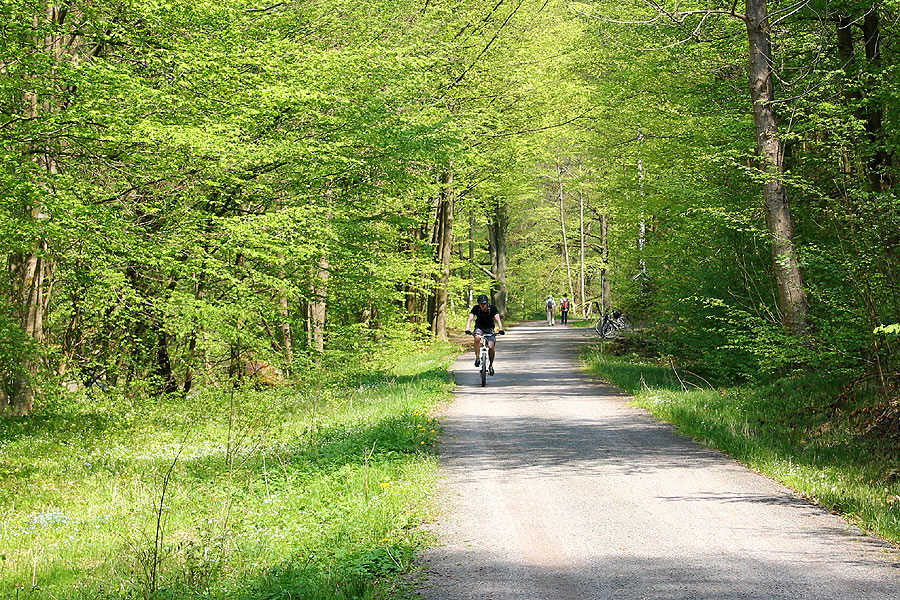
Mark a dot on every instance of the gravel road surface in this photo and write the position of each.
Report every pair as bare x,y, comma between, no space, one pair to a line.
554,487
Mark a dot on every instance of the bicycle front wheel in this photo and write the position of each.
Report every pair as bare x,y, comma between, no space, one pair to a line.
483,372
610,331
598,327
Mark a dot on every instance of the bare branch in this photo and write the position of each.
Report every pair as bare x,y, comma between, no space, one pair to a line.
611,20
532,130
268,8
489,44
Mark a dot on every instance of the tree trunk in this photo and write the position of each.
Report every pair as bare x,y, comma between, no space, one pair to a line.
413,296
879,165
788,277
287,337
581,283
471,256
163,362
192,344
498,224
33,273
605,287
164,371
562,224
318,307
444,245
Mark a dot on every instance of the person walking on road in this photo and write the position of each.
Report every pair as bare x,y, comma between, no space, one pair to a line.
551,309
564,310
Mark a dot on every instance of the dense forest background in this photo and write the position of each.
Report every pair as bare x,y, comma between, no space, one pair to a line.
198,192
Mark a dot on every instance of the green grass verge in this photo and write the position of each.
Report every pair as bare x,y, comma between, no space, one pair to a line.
802,432
581,323
283,493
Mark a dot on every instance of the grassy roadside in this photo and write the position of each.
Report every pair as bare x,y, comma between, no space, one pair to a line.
282,493
802,432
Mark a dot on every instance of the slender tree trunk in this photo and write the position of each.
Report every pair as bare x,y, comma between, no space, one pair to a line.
163,360
581,282
415,308
287,337
33,273
444,245
498,225
847,54
318,307
437,234
562,224
192,344
471,255
189,364
788,277
605,287
880,176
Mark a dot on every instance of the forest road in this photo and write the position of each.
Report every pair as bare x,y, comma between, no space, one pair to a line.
554,487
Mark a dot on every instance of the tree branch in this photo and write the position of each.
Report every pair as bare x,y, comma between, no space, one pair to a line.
268,8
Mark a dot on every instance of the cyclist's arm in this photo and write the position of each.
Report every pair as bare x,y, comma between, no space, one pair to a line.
469,322
499,324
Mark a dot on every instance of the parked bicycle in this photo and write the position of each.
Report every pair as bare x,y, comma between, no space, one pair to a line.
612,325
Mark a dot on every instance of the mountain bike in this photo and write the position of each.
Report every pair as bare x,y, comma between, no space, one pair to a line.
612,325
484,356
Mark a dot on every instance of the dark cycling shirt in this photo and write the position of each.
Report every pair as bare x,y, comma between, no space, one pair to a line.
484,319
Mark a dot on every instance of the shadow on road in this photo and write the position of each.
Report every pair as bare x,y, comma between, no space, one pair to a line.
643,577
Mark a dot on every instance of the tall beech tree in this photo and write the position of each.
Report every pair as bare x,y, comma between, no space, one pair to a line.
788,278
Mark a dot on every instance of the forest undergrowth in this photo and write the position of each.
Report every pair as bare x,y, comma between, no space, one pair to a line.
833,442
288,492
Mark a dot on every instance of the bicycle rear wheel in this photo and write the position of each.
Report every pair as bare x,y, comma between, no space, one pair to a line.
598,327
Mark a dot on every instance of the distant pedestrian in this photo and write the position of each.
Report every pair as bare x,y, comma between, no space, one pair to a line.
564,310
551,309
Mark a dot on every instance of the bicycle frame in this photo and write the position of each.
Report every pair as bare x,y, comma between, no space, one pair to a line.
485,358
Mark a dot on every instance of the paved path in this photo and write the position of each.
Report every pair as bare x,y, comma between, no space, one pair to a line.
556,488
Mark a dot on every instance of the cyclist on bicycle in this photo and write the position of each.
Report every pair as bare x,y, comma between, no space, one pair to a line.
485,316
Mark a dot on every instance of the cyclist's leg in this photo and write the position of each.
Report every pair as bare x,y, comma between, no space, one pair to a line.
478,334
491,340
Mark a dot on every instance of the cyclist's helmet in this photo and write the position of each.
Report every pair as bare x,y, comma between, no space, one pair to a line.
482,299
